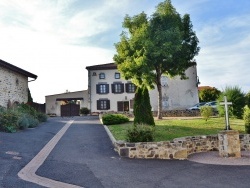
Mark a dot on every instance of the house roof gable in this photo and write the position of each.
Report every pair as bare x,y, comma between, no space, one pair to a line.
17,69
107,66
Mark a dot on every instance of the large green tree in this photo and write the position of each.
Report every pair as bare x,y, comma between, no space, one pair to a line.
165,43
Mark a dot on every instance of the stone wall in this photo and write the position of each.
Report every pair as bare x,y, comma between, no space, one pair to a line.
13,87
179,148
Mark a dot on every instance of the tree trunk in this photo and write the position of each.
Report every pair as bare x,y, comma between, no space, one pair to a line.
159,88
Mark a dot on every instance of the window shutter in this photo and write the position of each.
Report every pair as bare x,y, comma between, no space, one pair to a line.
122,88
98,105
113,88
97,88
126,86
108,104
107,87
119,106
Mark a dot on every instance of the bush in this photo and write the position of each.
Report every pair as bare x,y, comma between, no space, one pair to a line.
9,121
140,133
206,112
246,118
42,117
84,111
112,119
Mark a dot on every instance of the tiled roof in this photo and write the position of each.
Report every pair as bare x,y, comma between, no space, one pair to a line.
102,66
16,69
204,87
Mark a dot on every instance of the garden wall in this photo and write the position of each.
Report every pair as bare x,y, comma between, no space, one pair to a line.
179,148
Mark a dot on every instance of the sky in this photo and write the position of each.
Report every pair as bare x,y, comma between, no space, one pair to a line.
57,39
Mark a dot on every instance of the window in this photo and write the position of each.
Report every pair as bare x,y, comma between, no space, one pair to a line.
117,75
130,87
102,76
103,104
117,88
102,88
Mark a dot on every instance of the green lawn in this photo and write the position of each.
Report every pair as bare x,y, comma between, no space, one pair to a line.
170,129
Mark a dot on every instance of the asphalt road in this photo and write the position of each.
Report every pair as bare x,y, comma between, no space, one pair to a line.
84,156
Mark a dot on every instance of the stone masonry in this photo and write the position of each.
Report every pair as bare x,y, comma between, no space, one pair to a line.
179,148
13,87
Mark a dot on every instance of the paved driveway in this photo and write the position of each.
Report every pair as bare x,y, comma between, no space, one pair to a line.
84,156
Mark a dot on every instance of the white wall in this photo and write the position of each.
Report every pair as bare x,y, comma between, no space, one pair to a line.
177,93
13,87
113,97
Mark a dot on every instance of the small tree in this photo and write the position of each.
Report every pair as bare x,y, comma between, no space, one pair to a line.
237,97
209,94
248,99
246,118
206,112
142,107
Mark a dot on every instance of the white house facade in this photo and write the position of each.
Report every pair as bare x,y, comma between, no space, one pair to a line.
66,104
107,91
13,84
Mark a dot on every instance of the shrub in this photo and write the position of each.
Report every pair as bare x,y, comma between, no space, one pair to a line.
84,111
112,119
209,94
246,118
42,117
23,121
140,133
206,112
9,121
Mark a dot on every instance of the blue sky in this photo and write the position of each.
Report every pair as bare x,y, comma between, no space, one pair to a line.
57,39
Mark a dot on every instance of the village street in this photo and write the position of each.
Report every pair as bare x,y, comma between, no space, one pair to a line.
84,156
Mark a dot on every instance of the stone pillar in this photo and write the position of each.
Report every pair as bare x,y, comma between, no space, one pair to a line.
229,144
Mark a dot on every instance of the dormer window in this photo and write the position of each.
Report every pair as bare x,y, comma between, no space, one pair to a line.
102,76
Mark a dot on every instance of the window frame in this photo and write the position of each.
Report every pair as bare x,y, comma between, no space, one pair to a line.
100,89
129,87
115,88
117,75
102,75
103,104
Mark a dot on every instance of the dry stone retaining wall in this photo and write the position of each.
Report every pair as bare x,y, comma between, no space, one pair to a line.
179,148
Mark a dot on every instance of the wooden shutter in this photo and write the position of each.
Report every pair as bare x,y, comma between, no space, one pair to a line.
113,88
107,88
120,106
108,104
122,88
98,102
98,88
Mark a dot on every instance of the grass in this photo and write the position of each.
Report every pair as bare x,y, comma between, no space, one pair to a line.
170,129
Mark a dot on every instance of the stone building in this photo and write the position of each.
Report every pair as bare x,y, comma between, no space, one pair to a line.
108,91
13,84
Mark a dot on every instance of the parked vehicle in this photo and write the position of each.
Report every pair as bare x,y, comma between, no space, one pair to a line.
213,104
197,106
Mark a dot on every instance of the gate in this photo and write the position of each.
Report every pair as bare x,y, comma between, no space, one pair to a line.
70,109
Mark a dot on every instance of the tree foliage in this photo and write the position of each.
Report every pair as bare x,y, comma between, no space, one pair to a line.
248,99
237,97
209,94
142,107
165,43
